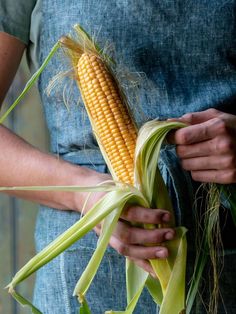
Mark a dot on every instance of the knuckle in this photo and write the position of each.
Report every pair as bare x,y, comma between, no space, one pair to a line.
221,125
214,146
230,161
213,111
227,145
127,213
154,216
159,238
157,216
183,136
188,116
125,236
132,213
180,150
146,217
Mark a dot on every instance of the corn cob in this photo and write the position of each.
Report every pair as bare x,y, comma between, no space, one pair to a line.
106,105
110,117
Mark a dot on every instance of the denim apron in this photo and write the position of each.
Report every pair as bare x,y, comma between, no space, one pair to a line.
186,51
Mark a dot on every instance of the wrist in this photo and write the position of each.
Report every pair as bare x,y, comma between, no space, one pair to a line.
87,177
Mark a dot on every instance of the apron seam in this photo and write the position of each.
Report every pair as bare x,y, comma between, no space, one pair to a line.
64,285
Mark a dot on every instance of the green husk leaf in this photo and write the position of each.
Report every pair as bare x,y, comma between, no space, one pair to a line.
147,175
170,271
154,287
132,304
89,273
200,263
75,188
84,307
136,278
97,213
174,298
31,81
24,302
109,225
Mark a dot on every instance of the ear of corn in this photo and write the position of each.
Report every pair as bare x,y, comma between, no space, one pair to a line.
117,135
111,121
106,106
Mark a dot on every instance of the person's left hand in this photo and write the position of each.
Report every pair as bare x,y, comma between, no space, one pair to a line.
207,147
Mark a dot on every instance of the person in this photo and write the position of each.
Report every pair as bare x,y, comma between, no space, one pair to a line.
187,51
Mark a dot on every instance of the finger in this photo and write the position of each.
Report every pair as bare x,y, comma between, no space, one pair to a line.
144,264
200,132
200,116
209,163
215,176
132,235
205,148
216,146
145,215
139,252
227,119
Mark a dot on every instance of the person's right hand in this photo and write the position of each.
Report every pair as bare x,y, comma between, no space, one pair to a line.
130,240
134,242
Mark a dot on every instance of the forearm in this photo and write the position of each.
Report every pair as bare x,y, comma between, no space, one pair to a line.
23,165
20,163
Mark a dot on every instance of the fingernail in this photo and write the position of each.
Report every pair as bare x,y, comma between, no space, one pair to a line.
161,253
153,275
166,217
169,235
172,119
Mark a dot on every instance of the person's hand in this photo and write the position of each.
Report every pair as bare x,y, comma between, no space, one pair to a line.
132,241
207,147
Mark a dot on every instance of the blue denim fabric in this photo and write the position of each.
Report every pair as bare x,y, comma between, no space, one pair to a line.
187,50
